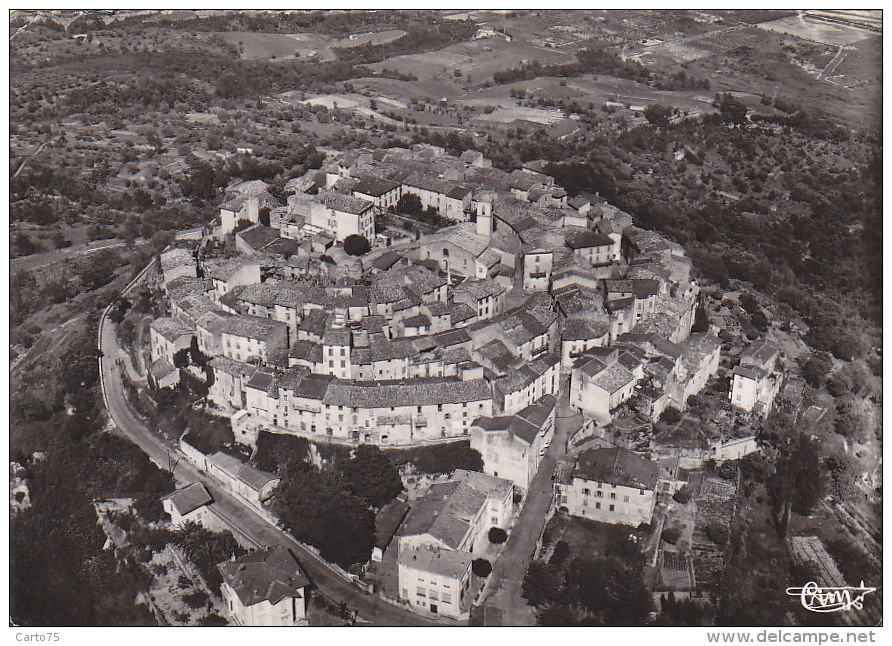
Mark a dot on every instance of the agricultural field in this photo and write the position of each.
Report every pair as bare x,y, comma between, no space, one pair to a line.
264,46
470,64
815,30
267,46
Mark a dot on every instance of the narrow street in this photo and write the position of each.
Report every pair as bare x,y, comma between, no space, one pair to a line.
505,588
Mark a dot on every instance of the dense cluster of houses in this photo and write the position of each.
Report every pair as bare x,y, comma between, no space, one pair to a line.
464,333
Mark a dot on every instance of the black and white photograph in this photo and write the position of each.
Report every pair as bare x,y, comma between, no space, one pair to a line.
447,317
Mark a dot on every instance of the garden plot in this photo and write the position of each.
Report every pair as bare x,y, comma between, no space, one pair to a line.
179,595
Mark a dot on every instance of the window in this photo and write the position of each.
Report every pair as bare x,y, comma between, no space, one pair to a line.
600,494
421,592
597,505
586,492
612,507
641,491
612,495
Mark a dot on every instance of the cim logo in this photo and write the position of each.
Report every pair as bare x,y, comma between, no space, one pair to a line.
817,599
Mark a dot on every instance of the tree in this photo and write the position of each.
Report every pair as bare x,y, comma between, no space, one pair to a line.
481,567
759,320
847,347
24,245
542,583
730,109
318,509
749,303
701,320
611,588
799,480
659,115
409,204
815,370
555,615
497,535
263,216
356,245
372,476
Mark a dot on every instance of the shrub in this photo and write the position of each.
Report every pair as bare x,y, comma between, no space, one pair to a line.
560,554
716,533
195,599
497,535
356,245
682,496
440,458
481,567
671,535
670,416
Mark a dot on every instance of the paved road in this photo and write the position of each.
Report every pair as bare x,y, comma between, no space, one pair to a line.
369,608
504,589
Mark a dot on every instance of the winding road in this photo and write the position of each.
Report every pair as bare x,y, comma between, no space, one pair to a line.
370,609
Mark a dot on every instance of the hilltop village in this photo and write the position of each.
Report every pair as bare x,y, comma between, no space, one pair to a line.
334,315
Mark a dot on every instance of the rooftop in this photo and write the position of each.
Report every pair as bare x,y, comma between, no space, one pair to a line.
375,186
388,520
414,392
170,329
617,466
447,563
254,478
445,512
344,203
243,325
269,574
588,239
189,498
224,269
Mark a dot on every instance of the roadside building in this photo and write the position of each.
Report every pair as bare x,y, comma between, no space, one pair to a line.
441,534
513,446
168,336
187,505
387,522
241,337
436,580
227,274
610,485
599,384
754,384
266,587
177,263
243,480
